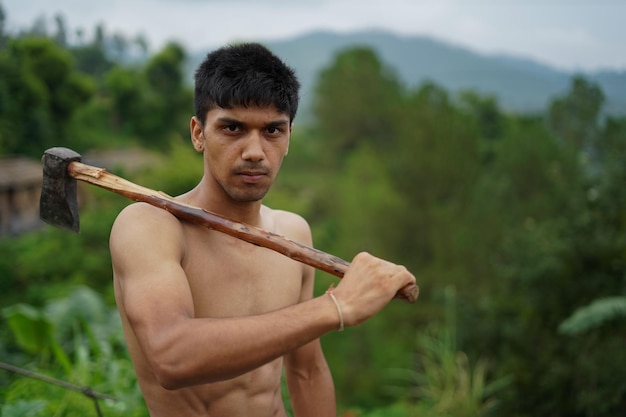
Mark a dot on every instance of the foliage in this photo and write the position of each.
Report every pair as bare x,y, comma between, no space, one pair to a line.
574,117
23,408
38,95
83,335
178,173
54,96
444,383
366,113
594,315
164,100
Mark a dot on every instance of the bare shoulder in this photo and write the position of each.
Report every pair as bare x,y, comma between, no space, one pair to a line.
290,224
143,215
142,225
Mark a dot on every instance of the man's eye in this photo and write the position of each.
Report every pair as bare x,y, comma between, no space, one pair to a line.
273,130
231,128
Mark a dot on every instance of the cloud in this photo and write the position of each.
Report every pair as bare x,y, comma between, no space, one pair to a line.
584,34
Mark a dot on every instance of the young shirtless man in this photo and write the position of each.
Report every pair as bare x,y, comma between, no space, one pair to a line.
210,321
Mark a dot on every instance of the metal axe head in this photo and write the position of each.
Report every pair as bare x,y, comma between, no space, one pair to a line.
58,204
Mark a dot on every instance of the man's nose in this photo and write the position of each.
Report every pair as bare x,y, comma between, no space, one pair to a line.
253,148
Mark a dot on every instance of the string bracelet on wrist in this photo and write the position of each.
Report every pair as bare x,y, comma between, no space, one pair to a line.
332,297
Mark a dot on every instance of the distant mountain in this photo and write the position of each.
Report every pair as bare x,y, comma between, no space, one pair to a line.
520,85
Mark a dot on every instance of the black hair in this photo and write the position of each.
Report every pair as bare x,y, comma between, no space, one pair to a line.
246,74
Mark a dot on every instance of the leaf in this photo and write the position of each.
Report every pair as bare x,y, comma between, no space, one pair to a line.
594,315
31,329
23,408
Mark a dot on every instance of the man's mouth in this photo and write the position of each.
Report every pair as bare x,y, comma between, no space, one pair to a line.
252,176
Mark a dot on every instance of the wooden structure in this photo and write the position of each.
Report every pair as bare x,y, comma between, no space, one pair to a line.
20,187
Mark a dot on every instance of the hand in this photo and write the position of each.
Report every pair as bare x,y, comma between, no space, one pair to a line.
368,285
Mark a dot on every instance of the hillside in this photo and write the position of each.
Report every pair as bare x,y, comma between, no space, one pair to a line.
520,85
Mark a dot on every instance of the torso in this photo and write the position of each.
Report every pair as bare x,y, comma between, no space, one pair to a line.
228,278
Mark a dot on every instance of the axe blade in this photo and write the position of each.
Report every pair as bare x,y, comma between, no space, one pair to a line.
58,204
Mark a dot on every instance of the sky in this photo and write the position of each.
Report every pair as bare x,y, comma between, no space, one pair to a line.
572,35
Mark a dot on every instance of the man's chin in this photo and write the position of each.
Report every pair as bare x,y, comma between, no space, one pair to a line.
247,196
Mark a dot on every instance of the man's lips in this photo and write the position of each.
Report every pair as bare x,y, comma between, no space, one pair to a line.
252,177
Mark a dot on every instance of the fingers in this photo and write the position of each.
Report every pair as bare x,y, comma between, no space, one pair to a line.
383,269
369,284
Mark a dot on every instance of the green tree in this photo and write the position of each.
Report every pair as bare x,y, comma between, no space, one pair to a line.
99,39
485,111
167,103
561,246
60,36
91,60
3,18
356,101
574,118
142,43
126,87
119,46
40,92
434,166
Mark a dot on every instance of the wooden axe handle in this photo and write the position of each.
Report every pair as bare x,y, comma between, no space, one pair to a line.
252,234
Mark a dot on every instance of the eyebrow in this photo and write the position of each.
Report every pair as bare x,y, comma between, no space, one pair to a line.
231,121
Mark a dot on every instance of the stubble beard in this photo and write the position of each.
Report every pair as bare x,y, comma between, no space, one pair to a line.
245,194
251,195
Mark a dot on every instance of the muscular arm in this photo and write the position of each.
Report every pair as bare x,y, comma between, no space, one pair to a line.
147,247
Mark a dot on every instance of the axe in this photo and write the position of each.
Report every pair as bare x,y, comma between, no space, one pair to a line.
58,206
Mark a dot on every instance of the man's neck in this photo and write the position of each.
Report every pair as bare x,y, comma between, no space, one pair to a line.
220,203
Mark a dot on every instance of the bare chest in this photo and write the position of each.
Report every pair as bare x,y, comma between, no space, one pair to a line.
229,277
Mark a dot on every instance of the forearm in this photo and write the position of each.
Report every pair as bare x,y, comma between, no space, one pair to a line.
312,394
207,350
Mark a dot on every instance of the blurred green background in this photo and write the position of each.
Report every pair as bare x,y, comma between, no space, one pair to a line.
514,224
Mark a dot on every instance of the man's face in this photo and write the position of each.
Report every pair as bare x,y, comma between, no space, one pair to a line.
243,149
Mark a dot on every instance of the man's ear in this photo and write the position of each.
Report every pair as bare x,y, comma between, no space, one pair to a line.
197,134
290,131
